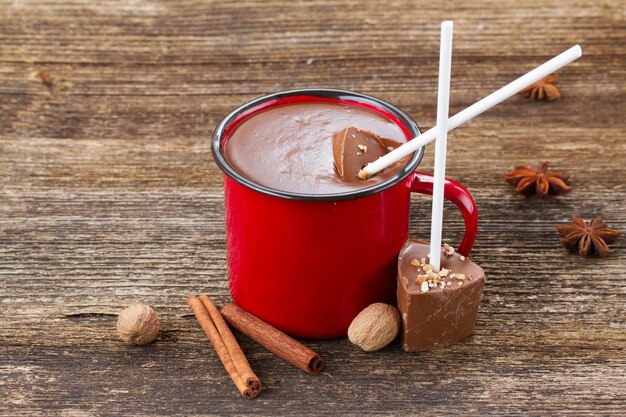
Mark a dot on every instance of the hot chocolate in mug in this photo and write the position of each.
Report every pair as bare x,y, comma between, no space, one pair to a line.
306,253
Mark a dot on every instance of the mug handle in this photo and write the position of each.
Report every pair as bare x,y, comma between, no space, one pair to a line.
456,193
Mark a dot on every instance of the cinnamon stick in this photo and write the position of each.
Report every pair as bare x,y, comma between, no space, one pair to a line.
273,339
233,347
235,363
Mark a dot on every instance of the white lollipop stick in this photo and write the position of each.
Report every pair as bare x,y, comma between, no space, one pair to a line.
475,109
443,102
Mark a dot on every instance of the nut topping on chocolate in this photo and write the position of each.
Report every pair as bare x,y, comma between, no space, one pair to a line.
428,278
447,249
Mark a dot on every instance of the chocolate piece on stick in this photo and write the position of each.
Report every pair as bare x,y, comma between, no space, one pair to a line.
354,148
437,309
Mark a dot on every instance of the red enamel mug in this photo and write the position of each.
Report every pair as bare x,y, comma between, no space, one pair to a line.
308,264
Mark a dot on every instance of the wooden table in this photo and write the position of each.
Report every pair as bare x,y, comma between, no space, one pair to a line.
109,195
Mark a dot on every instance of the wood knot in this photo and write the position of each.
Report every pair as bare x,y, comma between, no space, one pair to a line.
48,81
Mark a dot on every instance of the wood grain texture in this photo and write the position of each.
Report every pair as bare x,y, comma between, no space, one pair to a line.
108,195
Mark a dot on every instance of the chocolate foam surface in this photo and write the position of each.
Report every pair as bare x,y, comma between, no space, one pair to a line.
290,147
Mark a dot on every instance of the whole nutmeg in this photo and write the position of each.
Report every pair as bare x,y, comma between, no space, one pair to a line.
375,327
138,324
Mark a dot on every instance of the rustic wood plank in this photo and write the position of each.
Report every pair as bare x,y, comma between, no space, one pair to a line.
109,196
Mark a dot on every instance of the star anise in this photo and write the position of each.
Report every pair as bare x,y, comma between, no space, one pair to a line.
544,89
587,238
530,181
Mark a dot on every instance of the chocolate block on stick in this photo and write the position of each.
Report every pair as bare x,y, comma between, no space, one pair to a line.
354,148
437,309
